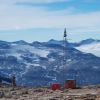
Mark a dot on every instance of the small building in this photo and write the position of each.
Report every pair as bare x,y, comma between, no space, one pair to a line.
70,84
56,86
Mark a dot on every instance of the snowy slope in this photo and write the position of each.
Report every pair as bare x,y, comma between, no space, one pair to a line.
27,48
40,64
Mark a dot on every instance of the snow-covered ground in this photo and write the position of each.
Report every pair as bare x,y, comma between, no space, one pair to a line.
37,51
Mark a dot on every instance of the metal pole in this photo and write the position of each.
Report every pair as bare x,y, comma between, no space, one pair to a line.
64,52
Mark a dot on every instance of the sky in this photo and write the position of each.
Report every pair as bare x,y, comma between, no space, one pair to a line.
42,20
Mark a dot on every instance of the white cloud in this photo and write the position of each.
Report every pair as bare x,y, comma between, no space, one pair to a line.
42,1
18,17
30,1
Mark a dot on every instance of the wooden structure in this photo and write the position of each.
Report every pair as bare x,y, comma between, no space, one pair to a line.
13,81
70,84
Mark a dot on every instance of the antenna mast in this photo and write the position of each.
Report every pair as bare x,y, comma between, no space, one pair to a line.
64,51
64,46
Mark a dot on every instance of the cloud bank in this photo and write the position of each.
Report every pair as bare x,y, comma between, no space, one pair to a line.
18,17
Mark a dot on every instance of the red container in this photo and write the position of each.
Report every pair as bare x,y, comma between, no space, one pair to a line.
70,84
56,86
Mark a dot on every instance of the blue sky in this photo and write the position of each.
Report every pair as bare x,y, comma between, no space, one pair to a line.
41,20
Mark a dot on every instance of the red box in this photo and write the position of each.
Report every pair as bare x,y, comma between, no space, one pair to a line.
56,86
70,84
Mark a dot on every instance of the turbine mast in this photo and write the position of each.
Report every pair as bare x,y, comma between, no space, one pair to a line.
64,51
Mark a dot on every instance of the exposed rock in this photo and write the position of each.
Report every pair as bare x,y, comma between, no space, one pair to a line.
22,93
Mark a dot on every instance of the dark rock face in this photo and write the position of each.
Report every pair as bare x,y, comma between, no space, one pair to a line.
40,64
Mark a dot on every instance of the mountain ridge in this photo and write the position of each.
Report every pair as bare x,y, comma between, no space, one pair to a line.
40,63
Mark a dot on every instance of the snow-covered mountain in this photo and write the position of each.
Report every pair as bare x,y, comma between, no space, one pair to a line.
88,41
90,46
42,63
